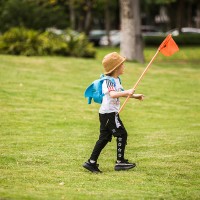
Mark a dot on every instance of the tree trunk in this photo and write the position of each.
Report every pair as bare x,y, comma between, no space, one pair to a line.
181,14
198,16
131,38
72,15
107,20
189,14
88,17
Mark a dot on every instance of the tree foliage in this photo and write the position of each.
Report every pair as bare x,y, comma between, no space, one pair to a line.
83,15
31,14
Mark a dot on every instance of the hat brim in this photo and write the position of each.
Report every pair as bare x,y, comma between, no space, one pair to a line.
124,59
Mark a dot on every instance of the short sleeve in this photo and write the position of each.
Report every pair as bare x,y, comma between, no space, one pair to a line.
108,86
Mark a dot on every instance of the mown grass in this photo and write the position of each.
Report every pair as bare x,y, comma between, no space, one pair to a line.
48,130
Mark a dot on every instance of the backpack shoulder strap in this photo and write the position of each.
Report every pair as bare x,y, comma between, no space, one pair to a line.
120,80
109,78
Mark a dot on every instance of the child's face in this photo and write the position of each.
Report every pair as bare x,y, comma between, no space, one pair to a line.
121,69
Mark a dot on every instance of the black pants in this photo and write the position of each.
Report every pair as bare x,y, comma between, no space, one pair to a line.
110,125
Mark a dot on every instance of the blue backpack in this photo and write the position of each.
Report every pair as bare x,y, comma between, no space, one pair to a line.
94,91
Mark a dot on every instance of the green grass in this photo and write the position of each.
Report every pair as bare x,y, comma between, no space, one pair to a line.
48,130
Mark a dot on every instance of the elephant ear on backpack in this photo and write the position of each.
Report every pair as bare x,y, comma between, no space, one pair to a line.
94,90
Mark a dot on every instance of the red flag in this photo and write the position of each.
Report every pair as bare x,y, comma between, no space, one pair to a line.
168,46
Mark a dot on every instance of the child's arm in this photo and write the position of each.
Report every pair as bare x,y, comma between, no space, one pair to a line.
126,93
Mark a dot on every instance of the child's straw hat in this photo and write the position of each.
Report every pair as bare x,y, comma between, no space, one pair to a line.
111,61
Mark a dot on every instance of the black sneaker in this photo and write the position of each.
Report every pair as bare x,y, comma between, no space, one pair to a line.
93,167
124,165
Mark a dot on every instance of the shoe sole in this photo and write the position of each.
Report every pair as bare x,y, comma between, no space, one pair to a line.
85,165
118,168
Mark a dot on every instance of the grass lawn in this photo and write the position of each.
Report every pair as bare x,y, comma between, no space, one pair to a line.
47,130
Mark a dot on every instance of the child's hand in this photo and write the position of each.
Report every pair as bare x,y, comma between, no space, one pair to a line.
130,92
138,96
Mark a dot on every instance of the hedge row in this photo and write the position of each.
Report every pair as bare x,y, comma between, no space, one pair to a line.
22,41
182,40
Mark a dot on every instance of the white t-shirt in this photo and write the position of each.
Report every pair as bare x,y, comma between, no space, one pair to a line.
110,104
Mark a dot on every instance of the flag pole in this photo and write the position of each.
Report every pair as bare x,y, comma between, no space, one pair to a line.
134,87
165,51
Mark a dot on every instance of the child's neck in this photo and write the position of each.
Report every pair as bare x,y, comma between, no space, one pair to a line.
115,75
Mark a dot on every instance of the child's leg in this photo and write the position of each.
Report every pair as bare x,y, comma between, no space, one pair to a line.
121,144
100,144
104,138
121,134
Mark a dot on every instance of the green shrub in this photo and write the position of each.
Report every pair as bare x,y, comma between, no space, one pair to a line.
53,44
79,45
189,39
21,41
182,39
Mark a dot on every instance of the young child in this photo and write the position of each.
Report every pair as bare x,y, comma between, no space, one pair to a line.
110,122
